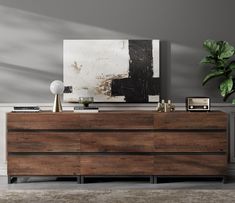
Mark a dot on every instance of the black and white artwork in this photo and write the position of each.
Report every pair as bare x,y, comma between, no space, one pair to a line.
112,70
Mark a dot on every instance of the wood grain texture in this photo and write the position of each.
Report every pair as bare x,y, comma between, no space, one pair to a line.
190,141
155,165
190,165
43,165
182,136
117,120
191,120
43,142
102,120
154,142
117,165
117,142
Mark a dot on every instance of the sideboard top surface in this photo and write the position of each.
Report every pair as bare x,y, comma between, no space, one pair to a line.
116,112
117,120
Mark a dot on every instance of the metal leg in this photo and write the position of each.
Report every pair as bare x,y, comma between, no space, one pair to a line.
154,179
224,179
9,180
14,179
82,179
151,179
79,179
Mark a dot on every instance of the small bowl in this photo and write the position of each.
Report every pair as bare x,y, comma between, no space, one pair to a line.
86,101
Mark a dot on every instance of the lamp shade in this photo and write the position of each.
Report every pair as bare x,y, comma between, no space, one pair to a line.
57,87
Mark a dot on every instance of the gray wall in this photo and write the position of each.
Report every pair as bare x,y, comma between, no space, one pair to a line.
32,32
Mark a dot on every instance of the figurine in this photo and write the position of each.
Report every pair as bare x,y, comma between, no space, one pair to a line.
165,107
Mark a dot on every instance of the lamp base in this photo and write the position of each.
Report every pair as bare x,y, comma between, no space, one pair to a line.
57,104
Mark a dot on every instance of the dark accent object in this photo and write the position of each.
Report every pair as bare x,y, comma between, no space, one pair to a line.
129,143
140,83
68,89
197,104
26,109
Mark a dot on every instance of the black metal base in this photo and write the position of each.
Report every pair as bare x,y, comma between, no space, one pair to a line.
12,179
153,179
224,179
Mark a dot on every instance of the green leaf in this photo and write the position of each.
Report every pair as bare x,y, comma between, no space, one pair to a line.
208,60
211,46
225,50
226,86
228,95
231,66
233,102
212,74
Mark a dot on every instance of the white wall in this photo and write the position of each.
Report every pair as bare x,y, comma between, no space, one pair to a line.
32,32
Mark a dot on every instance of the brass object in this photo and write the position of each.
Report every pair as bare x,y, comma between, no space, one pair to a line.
165,107
57,104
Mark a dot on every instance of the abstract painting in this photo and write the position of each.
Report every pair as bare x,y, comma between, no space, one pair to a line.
112,70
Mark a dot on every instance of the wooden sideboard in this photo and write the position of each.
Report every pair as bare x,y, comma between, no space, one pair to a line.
121,143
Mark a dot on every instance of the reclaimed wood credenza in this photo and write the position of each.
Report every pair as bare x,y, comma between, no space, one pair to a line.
117,143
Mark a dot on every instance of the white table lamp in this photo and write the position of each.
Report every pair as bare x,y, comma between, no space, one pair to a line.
57,88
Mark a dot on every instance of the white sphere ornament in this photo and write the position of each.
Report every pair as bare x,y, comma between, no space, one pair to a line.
57,87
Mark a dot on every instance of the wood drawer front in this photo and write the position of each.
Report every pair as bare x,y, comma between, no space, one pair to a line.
43,165
43,142
117,165
153,142
190,142
190,165
48,121
189,120
117,142
154,165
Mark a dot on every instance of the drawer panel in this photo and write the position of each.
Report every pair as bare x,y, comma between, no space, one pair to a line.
43,142
117,165
124,141
190,120
71,121
190,142
190,165
175,165
117,142
43,165
153,142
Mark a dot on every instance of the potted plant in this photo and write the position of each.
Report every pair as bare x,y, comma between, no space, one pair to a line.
221,66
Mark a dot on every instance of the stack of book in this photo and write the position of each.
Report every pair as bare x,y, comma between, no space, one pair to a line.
81,109
26,109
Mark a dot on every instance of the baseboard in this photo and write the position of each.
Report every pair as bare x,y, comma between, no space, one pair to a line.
3,170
